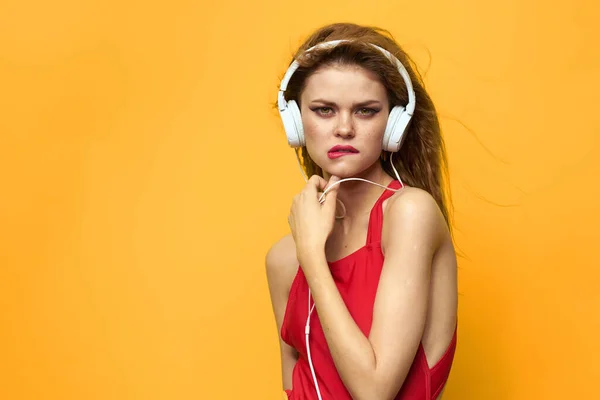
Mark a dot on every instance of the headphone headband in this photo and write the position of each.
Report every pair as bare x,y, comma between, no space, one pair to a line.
410,107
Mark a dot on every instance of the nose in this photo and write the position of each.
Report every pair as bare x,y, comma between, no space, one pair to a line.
345,126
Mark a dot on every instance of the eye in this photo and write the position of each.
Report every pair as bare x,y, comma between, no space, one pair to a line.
367,111
325,111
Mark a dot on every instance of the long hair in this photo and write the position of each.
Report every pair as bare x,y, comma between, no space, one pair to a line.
421,161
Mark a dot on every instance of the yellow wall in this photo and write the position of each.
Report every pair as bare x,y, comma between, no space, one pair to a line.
144,175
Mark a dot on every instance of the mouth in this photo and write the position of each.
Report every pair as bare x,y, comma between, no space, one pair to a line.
340,151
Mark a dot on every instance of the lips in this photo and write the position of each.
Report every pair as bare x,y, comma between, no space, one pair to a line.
340,151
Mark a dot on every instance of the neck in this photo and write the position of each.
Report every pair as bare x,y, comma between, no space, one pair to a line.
359,196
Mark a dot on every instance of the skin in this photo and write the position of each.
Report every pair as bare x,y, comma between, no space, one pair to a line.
417,294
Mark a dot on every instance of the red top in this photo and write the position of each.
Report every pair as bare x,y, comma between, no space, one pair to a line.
356,277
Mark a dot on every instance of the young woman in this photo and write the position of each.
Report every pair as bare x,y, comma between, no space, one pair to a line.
364,289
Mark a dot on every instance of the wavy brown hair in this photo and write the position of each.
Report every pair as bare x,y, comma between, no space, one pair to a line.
421,161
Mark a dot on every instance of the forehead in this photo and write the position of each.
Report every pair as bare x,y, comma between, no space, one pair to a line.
343,82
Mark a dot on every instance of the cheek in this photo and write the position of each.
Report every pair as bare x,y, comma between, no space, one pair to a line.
374,130
380,125
316,132
314,128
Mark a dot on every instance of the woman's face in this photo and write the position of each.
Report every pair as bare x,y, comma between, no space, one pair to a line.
344,113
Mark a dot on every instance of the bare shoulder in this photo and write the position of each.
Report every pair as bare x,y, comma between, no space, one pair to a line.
281,262
414,212
412,200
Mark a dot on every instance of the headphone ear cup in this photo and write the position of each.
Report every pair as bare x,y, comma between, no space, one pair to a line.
297,120
388,136
292,124
393,135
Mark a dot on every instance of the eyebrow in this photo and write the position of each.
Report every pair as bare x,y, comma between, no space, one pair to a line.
361,104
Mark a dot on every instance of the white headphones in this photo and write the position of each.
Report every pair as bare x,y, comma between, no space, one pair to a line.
398,119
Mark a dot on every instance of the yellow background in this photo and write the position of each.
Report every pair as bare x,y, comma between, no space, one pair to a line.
144,175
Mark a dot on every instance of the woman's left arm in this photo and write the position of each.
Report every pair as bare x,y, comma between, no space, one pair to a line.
375,367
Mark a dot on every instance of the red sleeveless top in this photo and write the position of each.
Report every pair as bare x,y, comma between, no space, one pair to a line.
356,277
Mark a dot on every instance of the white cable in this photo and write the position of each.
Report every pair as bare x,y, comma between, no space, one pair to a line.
306,333
310,309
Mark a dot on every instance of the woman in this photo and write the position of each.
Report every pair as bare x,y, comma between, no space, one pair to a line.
364,289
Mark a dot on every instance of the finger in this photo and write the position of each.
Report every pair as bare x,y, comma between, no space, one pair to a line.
333,180
317,182
330,202
332,185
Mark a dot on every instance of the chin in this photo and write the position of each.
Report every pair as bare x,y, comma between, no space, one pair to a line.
344,171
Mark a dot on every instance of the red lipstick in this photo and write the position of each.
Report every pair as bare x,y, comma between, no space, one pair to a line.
340,151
